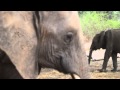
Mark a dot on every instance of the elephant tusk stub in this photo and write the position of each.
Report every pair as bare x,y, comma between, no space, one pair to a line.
74,76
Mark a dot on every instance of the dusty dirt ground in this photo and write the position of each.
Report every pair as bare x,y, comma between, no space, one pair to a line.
94,67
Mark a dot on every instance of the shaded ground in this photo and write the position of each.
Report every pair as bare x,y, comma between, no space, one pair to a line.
95,65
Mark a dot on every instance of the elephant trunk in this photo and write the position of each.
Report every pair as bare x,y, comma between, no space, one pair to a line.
90,56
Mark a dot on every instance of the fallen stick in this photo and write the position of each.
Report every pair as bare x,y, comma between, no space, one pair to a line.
96,59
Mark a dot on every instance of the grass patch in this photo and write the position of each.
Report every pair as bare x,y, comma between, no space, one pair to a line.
93,22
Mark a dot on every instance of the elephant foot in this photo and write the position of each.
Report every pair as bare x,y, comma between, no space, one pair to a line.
114,70
102,70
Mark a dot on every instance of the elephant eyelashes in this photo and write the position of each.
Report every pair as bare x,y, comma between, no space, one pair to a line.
68,37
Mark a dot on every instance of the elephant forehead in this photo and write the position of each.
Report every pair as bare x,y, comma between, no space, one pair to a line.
58,21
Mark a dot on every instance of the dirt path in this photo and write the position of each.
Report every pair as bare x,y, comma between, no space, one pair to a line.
95,65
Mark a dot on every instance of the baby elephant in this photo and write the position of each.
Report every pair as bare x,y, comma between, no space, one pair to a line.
109,40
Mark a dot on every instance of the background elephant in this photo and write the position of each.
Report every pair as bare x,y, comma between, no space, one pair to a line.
110,41
59,46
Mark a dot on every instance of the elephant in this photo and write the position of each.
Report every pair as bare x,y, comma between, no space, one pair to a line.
31,40
19,41
110,41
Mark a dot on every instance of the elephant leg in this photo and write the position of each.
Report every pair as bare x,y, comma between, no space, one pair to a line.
114,59
106,58
7,69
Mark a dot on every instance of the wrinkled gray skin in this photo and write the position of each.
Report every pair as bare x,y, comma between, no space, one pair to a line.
19,41
60,43
110,41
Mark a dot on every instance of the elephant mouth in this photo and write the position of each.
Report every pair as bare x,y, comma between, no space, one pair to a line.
62,66
63,69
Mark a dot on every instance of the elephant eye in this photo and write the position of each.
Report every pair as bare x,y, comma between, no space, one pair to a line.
68,37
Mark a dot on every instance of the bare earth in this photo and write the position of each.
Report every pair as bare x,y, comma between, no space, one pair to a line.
94,67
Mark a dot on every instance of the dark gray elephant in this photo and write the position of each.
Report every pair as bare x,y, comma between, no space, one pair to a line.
7,69
110,41
58,44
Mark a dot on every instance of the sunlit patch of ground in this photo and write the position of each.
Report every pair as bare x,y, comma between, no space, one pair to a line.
52,74
106,75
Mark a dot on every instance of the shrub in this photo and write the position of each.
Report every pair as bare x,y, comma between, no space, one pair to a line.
93,22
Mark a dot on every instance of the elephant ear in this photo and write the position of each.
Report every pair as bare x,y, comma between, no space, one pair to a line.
101,39
36,23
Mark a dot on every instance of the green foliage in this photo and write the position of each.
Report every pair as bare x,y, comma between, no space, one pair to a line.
95,21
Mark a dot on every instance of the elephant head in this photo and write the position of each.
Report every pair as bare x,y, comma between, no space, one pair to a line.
97,43
59,43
